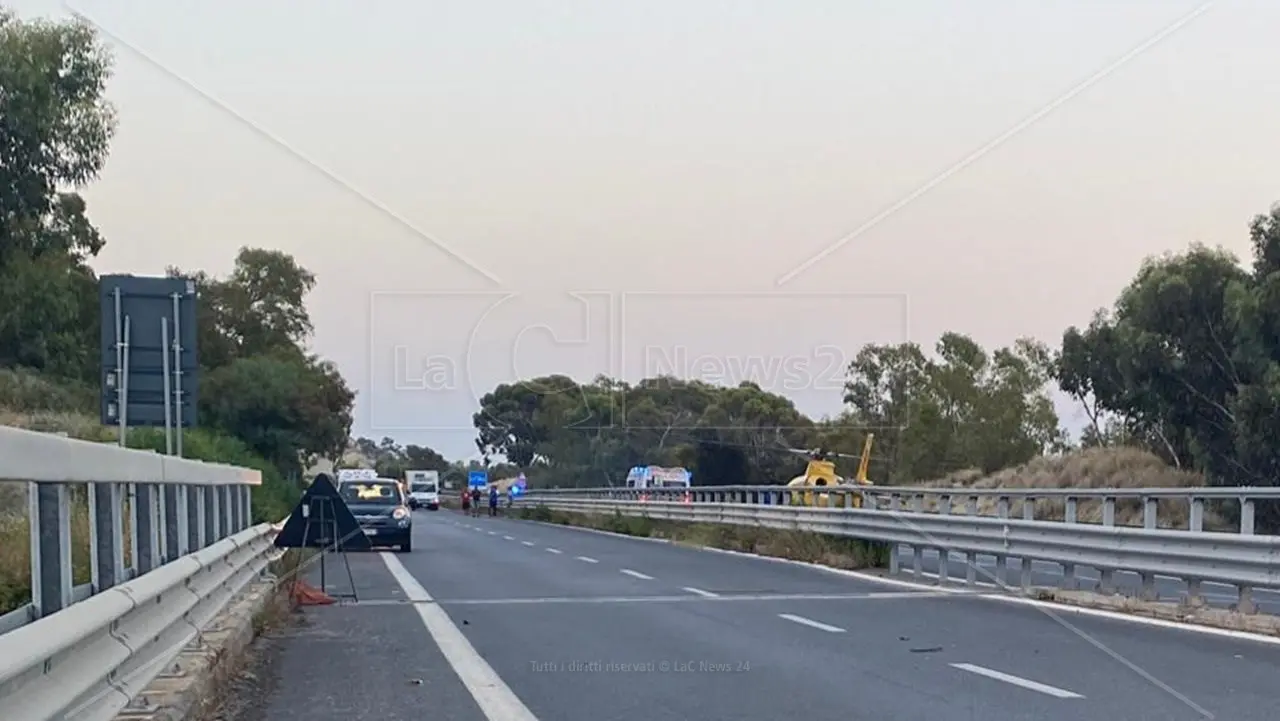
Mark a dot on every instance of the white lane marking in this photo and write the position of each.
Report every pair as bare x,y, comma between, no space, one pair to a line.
508,538
527,543
636,574
496,700
554,550
1017,681
956,590
587,559
772,597
700,592
811,623
493,533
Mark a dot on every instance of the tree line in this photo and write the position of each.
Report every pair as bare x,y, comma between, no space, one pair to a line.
1185,364
260,384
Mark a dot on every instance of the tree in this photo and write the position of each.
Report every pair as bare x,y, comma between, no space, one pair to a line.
55,128
290,410
56,131
259,309
966,408
592,433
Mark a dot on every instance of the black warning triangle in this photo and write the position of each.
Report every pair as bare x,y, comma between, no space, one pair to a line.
322,520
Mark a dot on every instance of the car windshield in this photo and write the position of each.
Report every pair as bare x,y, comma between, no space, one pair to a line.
381,494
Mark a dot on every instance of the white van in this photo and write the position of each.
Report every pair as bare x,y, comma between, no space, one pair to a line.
424,489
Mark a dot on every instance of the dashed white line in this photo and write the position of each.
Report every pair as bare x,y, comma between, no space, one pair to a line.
636,574
508,538
554,550
1017,681
700,592
811,623
587,559
496,700
493,533
527,543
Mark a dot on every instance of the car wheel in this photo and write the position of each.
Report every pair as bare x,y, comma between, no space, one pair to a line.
406,547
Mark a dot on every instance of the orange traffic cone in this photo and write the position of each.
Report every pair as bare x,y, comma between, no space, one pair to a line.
305,594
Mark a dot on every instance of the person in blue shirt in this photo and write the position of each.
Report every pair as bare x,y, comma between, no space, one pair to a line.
493,500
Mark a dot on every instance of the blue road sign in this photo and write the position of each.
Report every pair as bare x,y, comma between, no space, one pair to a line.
478,479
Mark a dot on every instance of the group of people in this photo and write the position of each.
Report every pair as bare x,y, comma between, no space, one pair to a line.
471,500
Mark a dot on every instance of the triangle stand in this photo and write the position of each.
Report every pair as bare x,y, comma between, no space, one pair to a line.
322,519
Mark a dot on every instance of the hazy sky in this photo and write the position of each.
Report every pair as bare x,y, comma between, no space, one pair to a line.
629,187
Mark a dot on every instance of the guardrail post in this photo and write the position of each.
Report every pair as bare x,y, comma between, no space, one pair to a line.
237,511
246,503
1245,604
1002,561
145,528
209,529
1246,516
1107,576
970,558
49,515
1150,514
106,535
895,561
1028,514
169,528
1196,522
917,550
195,519
1069,515
944,555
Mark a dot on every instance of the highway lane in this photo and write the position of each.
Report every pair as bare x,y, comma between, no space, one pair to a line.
553,614
1050,574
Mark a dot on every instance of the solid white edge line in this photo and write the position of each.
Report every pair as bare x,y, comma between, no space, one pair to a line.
636,574
496,700
700,592
873,578
1017,680
811,623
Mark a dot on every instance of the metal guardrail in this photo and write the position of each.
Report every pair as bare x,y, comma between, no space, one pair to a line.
88,662
159,507
944,500
1243,559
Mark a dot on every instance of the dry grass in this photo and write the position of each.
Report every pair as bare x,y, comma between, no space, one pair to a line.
15,553
1093,468
833,551
15,532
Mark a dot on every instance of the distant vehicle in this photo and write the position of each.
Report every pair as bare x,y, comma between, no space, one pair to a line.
381,509
658,477
424,489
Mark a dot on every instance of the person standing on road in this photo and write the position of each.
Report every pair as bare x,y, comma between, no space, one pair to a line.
475,501
493,500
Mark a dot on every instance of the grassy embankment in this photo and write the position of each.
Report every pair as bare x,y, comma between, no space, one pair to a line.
1096,468
28,400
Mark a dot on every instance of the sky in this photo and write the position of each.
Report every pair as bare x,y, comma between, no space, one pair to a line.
755,189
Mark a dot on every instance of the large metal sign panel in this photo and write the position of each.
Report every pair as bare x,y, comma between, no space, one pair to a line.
137,314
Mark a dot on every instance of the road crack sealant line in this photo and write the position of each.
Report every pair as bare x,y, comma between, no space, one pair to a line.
957,592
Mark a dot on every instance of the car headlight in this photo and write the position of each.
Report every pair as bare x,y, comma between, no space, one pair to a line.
400,513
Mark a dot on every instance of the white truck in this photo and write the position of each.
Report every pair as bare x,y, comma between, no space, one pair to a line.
424,489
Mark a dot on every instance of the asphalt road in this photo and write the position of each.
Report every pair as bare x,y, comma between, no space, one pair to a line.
1050,574
514,621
